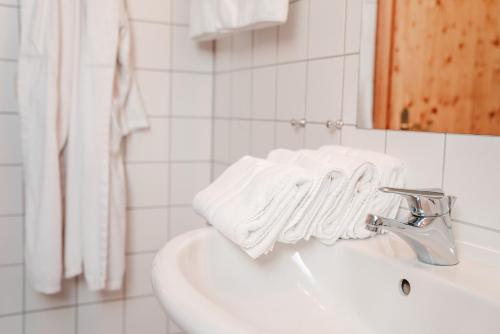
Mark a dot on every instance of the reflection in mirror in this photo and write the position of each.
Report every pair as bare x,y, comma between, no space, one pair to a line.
430,65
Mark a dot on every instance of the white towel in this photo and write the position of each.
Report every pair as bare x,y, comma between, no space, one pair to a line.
340,214
211,19
389,172
252,200
328,182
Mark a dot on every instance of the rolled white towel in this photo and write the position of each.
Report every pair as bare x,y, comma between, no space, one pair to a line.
339,213
328,181
390,172
252,201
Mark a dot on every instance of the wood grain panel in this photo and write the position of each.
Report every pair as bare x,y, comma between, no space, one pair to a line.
444,63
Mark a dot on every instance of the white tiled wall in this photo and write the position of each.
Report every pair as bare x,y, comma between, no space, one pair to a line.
308,68
161,163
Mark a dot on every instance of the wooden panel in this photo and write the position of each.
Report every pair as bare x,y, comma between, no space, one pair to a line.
444,66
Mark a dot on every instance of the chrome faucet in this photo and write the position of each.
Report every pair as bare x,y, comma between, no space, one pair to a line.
428,227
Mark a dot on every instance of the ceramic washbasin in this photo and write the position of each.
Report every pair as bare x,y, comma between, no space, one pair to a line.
209,286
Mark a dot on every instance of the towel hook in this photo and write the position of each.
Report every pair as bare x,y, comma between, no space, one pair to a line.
298,123
338,124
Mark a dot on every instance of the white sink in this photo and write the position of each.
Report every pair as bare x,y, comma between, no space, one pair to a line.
208,286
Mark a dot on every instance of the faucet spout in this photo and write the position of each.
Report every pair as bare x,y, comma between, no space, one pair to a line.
431,237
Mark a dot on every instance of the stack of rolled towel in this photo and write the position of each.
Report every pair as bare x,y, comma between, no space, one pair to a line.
296,195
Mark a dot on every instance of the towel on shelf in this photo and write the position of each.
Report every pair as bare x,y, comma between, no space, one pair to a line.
211,19
252,200
328,182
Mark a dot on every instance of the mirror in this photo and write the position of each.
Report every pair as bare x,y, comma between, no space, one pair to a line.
430,65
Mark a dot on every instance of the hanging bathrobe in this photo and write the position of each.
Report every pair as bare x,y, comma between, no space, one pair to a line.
77,100
109,108
43,137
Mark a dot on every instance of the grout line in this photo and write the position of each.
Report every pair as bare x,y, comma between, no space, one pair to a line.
444,161
170,140
485,228
277,63
161,162
170,70
166,23
8,60
6,5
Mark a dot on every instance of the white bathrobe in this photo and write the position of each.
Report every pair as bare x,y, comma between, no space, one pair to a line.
101,105
43,138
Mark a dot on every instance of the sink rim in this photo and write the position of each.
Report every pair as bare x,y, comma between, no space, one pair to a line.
184,302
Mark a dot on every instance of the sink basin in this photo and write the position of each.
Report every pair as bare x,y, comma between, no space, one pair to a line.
209,286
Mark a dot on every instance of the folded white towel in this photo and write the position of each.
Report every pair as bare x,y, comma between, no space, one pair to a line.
252,200
328,182
338,216
211,19
390,172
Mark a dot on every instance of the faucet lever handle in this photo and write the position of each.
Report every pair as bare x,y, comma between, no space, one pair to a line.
424,202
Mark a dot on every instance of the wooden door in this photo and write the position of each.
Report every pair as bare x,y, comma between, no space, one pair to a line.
439,62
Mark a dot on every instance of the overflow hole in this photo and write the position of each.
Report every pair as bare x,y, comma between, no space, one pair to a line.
405,287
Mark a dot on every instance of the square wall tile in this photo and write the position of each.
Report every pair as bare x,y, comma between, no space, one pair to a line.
223,53
11,247
265,46
222,95
292,35
190,55
8,83
12,324
39,301
187,180
291,92
262,138
152,10
184,219
353,25
11,289
138,275
221,140
11,191
192,94
239,140
54,321
241,97
324,90
326,28
147,185
422,154
191,139
151,45
350,101
173,328
181,11
144,316
9,32
472,168
155,91
476,236
242,50
373,140
87,296
151,144
147,229
218,169
264,93
289,137
105,318
317,135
